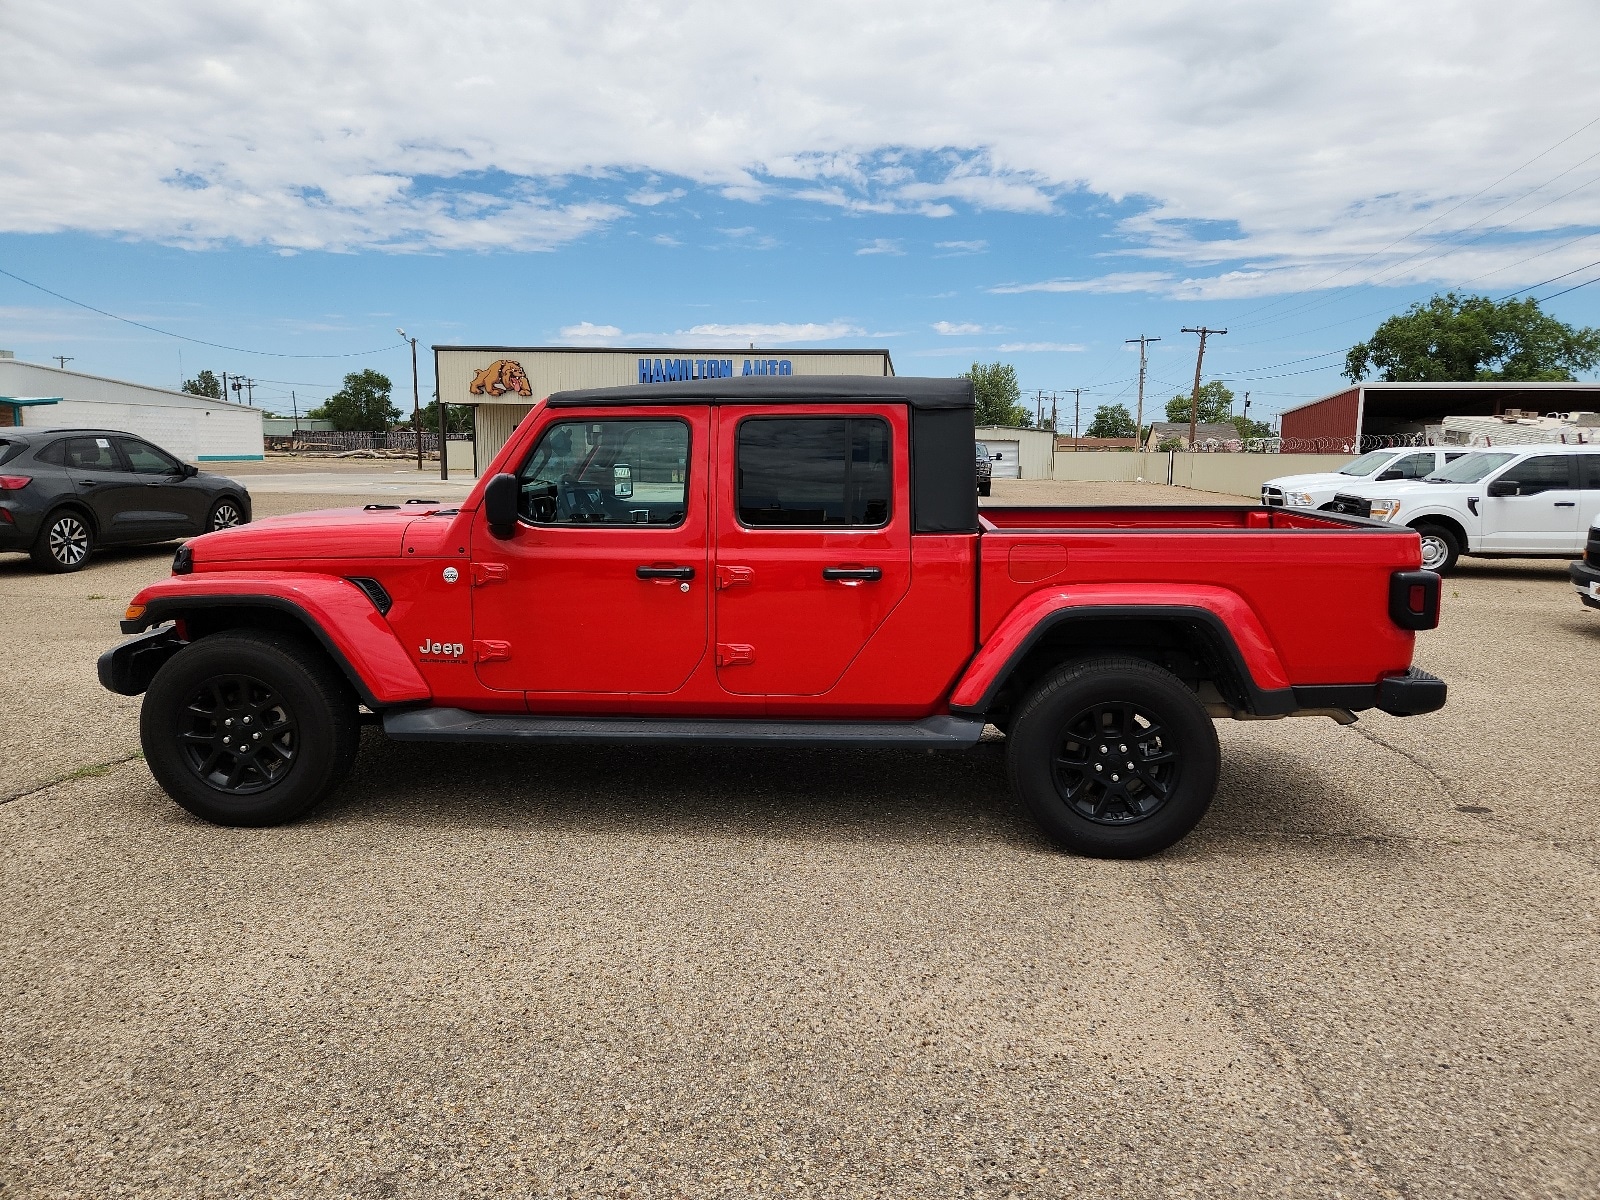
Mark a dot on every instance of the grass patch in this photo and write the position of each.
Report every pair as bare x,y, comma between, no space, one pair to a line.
96,596
92,772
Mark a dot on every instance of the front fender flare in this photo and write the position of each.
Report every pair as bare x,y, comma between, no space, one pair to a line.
1230,620
332,610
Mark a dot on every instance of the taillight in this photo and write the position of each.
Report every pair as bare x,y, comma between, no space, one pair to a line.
14,483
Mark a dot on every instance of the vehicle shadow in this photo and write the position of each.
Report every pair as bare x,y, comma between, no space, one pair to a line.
906,797
16,563
1531,569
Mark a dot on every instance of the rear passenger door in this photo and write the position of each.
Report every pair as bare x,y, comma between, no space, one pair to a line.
1589,496
813,543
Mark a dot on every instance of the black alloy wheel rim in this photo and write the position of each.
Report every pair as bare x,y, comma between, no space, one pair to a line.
1116,763
226,516
69,541
238,735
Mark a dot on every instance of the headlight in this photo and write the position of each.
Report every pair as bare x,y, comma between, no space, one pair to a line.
1300,499
1385,510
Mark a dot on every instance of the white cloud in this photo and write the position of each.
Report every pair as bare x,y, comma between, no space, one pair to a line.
1318,136
881,246
773,335
1122,281
1040,347
585,333
978,246
959,329
649,197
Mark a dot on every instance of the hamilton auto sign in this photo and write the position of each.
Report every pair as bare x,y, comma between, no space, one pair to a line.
674,370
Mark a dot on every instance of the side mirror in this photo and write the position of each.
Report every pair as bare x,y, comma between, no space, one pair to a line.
500,504
189,470
1387,475
997,457
1505,487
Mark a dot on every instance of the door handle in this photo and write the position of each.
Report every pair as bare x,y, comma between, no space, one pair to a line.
664,572
85,482
1566,503
853,574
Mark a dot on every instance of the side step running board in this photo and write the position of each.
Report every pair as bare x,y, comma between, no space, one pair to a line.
458,725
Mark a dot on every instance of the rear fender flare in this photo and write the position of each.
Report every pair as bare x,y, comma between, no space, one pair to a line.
336,613
1230,624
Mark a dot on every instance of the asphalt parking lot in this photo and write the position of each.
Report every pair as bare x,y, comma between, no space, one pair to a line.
1372,971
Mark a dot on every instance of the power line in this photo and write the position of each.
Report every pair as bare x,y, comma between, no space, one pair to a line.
184,337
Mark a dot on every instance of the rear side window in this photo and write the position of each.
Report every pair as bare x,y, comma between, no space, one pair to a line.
814,472
1413,466
92,454
1589,464
9,450
1542,473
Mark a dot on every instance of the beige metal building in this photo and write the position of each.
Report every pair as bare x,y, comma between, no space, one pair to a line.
503,382
1023,453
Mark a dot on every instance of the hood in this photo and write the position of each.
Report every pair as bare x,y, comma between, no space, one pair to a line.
1399,487
1320,479
326,533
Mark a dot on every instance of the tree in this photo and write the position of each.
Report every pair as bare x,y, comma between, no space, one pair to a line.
1455,338
999,398
362,404
1216,404
460,418
205,384
1111,421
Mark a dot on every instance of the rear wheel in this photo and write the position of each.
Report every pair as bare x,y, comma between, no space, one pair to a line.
1440,547
1114,757
64,543
249,728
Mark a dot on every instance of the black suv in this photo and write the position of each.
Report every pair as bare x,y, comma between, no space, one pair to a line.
985,469
65,491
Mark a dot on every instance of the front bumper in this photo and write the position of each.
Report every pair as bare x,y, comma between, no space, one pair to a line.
128,667
1587,580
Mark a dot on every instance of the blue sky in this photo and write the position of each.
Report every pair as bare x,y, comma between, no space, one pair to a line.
1031,183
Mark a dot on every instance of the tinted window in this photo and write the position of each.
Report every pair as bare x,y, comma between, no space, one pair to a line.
607,473
1589,467
1367,463
9,450
1542,473
92,454
147,460
55,452
1414,466
813,471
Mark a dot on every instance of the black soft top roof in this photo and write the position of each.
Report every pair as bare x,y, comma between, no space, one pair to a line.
782,389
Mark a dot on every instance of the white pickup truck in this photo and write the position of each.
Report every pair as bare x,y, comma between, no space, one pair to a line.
1520,502
1376,466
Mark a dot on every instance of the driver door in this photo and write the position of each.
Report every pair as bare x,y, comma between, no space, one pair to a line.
602,588
172,505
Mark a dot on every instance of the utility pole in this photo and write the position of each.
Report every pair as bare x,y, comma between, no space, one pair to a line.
295,401
1076,433
1194,399
1138,421
1055,426
64,359
224,385
250,390
416,403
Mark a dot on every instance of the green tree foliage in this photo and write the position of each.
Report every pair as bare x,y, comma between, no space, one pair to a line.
362,404
1216,404
1454,338
204,384
460,418
999,398
1111,421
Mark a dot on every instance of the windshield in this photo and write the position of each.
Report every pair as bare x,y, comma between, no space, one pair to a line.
1367,463
983,451
1469,468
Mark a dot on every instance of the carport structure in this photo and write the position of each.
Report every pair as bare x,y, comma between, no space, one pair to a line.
1366,415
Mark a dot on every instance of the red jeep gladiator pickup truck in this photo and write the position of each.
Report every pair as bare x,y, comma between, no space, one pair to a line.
769,562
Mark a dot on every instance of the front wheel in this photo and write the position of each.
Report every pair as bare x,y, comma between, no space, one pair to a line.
1440,547
249,728
225,514
1114,757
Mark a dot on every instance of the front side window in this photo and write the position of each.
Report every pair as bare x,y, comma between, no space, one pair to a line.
147,460
623,472
92,454
1542,473
813,472
1471,468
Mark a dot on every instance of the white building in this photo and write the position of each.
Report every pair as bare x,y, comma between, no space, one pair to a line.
196,428
1019,453
503,382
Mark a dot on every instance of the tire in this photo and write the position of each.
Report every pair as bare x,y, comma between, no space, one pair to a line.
1174,746
65,542
1440,544
225,514
260,676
